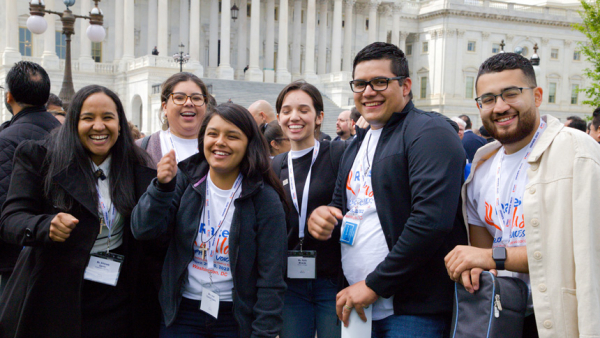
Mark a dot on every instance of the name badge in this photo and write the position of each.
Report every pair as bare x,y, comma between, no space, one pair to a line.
210,301
104,267
302,264
349,228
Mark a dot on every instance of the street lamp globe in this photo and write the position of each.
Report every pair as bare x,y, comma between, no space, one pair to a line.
96,33
69,3
37,24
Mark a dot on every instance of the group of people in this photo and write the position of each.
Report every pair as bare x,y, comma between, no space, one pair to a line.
235,222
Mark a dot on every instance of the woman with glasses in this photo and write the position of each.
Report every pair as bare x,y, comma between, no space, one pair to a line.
69,206
278,143
308,173
184,104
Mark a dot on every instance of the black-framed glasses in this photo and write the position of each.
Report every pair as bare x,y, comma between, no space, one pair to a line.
509,95
181,98
378,84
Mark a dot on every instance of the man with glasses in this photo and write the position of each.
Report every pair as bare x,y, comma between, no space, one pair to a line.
530,207
397,202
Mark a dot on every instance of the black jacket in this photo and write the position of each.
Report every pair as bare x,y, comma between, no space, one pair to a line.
32,123
417,174
43,298
257,244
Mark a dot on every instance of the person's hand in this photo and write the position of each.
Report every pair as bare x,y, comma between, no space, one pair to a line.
167,167
322,221
470,279
357,297
362,123
61,226
463,258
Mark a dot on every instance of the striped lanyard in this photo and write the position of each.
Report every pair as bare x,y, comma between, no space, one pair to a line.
109,214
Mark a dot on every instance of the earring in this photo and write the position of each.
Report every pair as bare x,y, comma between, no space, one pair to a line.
165,123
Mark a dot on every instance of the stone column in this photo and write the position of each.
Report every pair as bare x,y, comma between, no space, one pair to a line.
311,19
163,28
49,57
269,65
119,31
242,40
224,71
336,40
129,30
282,75
373,5
152,29
195,37
402,44
322,60
184,22
396,8
297,36
11,34
348,36
213,48
254,73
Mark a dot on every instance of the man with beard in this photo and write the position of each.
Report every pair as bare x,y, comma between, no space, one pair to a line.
530,207
344,127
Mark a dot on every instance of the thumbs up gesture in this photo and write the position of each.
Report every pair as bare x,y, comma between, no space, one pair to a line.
167,167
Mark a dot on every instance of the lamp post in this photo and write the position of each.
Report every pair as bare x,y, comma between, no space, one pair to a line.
234,12
180,57
95,32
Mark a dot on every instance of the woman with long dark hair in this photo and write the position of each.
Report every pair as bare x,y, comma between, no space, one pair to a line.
309,172
69,205
278,143
222,208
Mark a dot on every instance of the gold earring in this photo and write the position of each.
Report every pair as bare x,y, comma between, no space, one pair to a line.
165,123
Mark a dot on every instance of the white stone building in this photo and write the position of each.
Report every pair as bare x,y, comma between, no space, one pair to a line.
445,42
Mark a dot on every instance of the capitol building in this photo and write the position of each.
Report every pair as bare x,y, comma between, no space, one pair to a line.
272,42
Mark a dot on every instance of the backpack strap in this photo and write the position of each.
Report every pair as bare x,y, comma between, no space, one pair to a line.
145,142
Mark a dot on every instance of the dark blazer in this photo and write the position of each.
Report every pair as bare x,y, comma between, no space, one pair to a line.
32,123
257,244
43,297
417,173
471,143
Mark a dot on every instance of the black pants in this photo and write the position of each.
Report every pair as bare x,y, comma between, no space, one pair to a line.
529,327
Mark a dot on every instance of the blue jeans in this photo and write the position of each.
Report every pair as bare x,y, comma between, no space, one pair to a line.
310,306
191,322
406,326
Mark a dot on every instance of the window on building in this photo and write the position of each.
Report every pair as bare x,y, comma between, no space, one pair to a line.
495,48
409,49
425,47
61,45
554,53
577,55
97,51
302,17
423,87
552,92
220,6
25,41
574,93
469,87
248,9
367,24
471,46
276,14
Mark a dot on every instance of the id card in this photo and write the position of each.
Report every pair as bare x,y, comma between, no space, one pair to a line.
210,301
349,228
302,264
104,267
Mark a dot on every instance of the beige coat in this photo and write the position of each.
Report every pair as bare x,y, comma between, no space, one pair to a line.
562,225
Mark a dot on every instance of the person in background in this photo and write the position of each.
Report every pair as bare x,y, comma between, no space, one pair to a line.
484,133
135,132
278,143
69,206
344,126
576,122
223,274
27,91
55,107
262,111
470,141
595,125
308,173
461,126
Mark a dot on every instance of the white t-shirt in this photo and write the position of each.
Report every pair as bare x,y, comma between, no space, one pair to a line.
198,274
184,148
481,202
370,247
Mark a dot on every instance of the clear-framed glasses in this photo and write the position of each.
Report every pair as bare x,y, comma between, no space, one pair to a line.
378,84
509,95
181,98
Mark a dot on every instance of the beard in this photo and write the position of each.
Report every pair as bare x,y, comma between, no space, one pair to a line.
340,132
525,126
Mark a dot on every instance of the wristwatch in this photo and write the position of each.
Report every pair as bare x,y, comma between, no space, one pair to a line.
499,256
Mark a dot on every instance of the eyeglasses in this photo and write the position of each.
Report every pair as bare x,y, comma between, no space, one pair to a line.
181,98
509,95
378,84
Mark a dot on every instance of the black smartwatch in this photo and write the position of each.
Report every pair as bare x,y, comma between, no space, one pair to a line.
499,256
